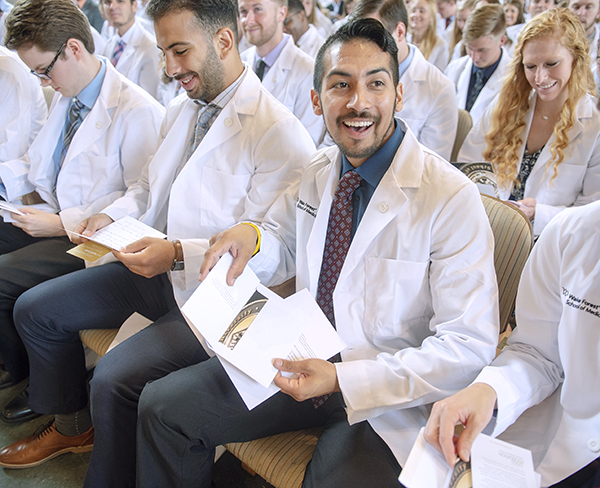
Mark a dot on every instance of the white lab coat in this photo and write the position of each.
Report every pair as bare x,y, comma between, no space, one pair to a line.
254,150
429,108
311,41
290,80
459,72
22,105
322,23
105,157
139,60
578,179
513,32
547,376
439,55
416,300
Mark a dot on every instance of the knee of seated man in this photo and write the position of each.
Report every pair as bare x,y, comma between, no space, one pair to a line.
29,311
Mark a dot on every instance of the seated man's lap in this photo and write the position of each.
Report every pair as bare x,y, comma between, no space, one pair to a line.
12,238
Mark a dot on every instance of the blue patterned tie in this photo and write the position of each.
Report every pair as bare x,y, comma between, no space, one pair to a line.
337,243
206,117
474,93
72,126
117,54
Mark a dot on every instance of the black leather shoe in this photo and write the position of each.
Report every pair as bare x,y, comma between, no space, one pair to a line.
5,379
17,411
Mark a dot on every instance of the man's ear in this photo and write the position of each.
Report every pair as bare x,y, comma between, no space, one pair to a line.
316,102
224,41
399,32
76,47
399,97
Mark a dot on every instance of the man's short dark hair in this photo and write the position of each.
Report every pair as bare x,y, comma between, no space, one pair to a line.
391,12
359,29
295,6
211,15
46,24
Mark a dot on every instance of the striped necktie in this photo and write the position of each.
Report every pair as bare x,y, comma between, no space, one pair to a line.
118,51
474,93
72,126
206,117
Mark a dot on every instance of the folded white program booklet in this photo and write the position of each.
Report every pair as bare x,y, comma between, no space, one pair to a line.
247,326
493,464
115,236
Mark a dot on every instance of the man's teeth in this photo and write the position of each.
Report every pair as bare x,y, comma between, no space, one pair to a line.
359,124
187,80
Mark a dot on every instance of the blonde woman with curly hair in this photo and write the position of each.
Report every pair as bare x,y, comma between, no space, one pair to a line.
542,134
463,10
423,27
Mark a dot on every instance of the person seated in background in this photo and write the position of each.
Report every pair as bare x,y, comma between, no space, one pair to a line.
513,12
446,18
587,12
132,50
227,150
99,134
422,33
348,8
283,68
542,133
317,18
478,76
306,36
22,105
456,47
91,11
543,382
429,102
534,7
5,8
396,228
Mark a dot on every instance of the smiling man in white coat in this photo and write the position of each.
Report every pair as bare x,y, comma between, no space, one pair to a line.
478,76
395,246
429,99
540,388
132,50
100,132
227,150
284,69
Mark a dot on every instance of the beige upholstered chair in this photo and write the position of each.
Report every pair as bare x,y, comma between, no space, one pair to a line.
281,459
464,126
48,94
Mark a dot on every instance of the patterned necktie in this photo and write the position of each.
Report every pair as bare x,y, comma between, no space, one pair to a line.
260,69
72,126
337,241
474,93
206,117
118,51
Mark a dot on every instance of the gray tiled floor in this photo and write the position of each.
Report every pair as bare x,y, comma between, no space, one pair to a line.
68,471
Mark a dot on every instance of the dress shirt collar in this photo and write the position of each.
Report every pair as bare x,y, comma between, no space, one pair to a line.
270,58
90,93
406,63
226,95
489,71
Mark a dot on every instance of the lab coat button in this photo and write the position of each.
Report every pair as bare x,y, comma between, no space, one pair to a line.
98,125
383,207
228,122
593,445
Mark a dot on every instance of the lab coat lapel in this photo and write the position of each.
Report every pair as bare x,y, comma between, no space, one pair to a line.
463,84
387,201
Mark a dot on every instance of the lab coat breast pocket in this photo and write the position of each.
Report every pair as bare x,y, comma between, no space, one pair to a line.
222,197
396,296
101,175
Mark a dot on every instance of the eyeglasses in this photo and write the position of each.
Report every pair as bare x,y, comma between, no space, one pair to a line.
289,18
46,74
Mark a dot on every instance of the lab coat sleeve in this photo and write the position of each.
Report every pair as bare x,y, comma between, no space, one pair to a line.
279,161
590,191
139,132
439,131
22,115
474,144
529,368
464,322
148,79
303,110
134,202
13,176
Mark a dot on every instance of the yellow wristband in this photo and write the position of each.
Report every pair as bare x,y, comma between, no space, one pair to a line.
257,239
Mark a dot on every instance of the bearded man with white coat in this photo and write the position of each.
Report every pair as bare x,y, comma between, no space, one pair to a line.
415,299
227,150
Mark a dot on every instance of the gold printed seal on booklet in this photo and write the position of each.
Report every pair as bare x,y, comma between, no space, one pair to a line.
243,320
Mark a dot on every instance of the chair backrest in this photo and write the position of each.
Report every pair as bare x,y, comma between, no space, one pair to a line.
513,239
464,126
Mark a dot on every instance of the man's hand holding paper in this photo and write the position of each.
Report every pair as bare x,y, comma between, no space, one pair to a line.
38,223
148,257
311,378
89,226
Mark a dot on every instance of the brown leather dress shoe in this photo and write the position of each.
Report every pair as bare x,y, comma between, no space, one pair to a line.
46,443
